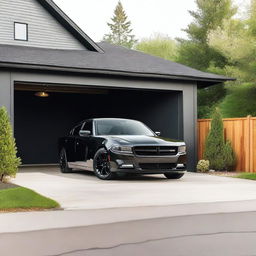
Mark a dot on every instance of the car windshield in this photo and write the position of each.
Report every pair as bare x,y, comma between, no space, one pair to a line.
121,127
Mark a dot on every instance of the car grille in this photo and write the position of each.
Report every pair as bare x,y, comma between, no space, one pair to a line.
155,150
157,166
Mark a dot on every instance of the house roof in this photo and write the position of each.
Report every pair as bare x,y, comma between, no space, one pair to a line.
115,60
70,25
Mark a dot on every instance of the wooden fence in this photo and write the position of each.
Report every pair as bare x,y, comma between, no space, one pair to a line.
242,134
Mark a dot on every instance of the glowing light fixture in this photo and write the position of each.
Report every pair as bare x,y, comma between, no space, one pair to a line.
42,94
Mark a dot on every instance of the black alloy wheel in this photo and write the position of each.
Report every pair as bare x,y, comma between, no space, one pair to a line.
63,162
101,165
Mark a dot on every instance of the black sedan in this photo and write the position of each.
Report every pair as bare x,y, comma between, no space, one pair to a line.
109,146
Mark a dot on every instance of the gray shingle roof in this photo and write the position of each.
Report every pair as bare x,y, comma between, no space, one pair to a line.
115,60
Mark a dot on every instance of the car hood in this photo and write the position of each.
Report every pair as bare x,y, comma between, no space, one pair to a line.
143,140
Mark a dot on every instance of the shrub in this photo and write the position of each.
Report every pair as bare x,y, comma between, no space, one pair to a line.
203,166
9,162
215,144
229,156
219,153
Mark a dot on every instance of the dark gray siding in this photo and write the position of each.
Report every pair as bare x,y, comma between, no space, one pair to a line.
43,30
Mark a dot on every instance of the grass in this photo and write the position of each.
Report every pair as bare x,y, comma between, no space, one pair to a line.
246,175
23,198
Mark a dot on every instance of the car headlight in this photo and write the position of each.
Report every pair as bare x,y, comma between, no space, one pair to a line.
121,149
182,149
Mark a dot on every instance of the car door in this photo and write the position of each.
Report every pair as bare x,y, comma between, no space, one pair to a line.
71,143
83,142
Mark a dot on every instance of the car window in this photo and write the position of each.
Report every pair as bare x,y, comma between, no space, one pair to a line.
88,126
121,127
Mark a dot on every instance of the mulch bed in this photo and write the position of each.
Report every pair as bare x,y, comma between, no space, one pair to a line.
7,185
29,210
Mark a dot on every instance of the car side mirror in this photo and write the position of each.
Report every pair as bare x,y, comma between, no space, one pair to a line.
84,133
158,133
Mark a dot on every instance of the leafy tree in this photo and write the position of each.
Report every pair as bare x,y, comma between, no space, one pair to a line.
236,41
121,32
209,98
196,51
9,162
240,101
210,15
160,46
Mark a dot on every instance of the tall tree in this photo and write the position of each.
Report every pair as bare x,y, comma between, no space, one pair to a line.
210,15
120,29
160,46
196,51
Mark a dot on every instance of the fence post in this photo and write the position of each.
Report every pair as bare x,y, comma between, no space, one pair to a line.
251,152
248,145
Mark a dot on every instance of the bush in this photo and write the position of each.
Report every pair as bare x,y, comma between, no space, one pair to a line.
9,162
229,156
215,144
203,166
240,101
219,153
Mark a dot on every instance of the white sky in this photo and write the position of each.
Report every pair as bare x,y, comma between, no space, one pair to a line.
167,17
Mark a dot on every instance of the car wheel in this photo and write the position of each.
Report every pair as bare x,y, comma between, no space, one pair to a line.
101,165
173,176
63,162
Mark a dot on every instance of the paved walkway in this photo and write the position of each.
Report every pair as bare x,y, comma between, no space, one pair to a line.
84,191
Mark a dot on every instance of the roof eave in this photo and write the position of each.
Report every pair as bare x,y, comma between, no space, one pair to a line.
203,81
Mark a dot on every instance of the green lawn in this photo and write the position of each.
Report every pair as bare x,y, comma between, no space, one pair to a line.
246,175
23,198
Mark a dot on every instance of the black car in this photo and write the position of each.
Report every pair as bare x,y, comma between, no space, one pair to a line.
109,146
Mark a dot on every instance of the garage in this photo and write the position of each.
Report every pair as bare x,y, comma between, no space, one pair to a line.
40,121
83,84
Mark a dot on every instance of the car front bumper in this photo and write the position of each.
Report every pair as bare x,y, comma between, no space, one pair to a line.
148,165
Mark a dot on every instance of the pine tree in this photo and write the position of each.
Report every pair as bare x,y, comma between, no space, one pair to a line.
120,29
9,162
215,143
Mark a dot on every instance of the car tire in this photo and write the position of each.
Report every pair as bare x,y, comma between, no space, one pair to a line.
63,162
174,176
101,165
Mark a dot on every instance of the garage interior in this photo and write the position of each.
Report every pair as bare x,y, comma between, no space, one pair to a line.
40,121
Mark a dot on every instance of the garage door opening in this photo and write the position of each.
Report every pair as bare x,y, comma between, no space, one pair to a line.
39,122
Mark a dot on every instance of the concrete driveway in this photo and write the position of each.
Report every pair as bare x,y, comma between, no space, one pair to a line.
82,190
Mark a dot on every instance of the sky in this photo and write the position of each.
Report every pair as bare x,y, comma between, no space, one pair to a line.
148,17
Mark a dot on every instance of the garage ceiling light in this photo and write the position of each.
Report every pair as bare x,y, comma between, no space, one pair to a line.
42,94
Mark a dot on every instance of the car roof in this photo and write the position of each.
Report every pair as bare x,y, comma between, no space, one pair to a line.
96,119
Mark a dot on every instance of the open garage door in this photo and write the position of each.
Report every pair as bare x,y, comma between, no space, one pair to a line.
40,121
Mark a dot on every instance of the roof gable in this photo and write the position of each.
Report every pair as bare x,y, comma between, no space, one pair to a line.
72,27
47,26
